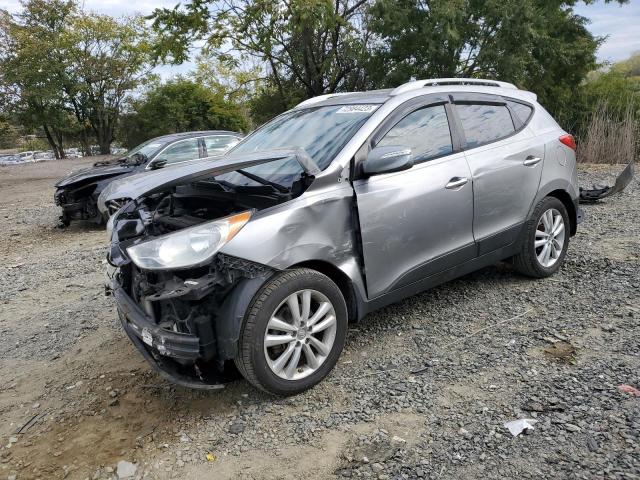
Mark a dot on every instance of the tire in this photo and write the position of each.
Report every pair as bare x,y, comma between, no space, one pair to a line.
260,362
529,261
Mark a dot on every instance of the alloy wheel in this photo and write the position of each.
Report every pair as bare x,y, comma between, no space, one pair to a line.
300,334
550,234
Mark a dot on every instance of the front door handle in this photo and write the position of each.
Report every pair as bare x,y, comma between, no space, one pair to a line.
531,160
456,182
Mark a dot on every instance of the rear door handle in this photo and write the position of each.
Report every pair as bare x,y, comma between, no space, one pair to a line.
456,182
531,160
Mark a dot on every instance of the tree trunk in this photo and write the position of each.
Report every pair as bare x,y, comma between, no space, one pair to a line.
58,135
57,150
104,139
86,147
104,133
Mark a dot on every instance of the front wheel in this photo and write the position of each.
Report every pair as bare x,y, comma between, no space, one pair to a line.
546,240
293,332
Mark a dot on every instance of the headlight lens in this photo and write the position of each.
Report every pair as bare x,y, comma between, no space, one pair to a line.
188,247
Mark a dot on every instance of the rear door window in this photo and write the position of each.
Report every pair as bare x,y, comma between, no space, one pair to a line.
217,144
484,123
425,130
181,151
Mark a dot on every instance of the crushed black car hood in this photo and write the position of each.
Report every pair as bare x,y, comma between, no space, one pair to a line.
95,173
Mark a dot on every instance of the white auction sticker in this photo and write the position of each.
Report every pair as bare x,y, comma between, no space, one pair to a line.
357,109
147,337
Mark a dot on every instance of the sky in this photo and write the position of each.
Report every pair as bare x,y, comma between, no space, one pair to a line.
620,24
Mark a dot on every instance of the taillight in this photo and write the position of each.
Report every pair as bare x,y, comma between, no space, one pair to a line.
569,141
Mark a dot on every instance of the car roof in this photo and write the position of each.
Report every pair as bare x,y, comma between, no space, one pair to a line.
179,136
421,87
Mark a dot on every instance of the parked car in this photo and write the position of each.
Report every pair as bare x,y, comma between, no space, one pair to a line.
9,159
78,192
26,157
345,204
43,156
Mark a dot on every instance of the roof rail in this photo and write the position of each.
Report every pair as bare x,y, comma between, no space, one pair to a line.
433,82
319,98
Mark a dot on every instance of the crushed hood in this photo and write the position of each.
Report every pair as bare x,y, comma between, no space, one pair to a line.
147,183
94,173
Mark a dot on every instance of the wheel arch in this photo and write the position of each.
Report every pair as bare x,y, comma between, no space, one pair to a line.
338,277
568,203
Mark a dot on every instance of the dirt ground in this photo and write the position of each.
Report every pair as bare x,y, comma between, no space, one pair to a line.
76,398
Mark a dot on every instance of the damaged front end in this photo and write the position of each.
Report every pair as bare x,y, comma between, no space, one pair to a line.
78,193
185,317
78,202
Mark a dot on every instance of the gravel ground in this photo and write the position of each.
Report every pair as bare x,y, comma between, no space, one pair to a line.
77,401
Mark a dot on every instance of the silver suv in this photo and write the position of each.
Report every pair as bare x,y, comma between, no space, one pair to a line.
345,204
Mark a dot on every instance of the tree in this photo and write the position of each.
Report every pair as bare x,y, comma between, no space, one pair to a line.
317,44
542,46
108,59
234,81
69,72
180,106
30,78
311,47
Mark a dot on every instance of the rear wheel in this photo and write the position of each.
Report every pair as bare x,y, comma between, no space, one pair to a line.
546,240
293,332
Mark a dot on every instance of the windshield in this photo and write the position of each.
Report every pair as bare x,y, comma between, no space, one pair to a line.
321,131
148,148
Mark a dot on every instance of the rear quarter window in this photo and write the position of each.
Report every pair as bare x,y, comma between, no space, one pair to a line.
484,123
521,113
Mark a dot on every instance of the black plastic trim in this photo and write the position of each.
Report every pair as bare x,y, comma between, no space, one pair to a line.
181,346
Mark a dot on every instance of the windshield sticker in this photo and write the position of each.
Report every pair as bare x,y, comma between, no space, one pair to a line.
357,109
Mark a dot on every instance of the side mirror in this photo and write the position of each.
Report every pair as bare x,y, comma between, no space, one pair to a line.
156,164
387,159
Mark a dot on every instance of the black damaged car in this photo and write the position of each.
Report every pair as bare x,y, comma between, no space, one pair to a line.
77,194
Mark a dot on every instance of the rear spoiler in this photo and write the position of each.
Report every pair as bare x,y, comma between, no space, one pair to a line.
598,192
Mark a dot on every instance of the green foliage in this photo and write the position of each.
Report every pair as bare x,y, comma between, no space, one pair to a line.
68,71
312,47
608,100
34,144
108,58
317,44
542,46
180,106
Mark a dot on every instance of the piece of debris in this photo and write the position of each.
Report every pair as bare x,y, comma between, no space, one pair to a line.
516,427
29,423
629,389
210,457
599,192
125,469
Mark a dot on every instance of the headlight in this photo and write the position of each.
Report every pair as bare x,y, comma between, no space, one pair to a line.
188,247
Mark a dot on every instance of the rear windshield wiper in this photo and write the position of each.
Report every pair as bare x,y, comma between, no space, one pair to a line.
264,181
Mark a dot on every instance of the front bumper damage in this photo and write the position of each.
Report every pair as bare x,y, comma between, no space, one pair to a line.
77,205
187,327
598,192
